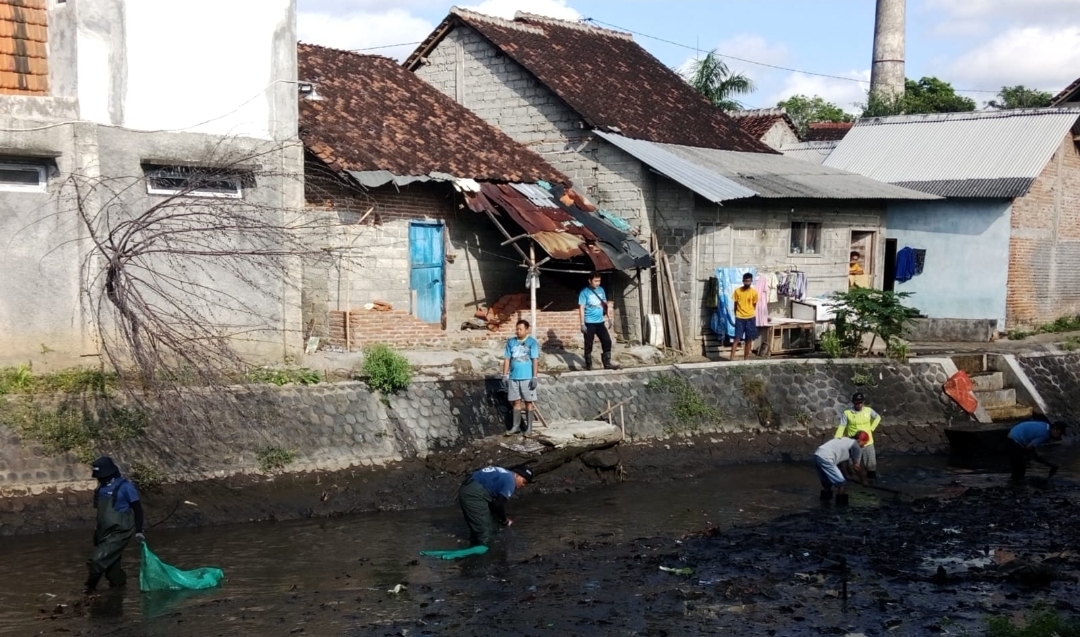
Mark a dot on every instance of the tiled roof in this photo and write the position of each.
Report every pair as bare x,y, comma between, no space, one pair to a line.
1070,93
606,77
374,115
827,131
758,122
24,67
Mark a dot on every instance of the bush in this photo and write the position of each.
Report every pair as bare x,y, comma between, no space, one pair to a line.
1040,621
274,458
386,370
278,376
869,311
830,344
689,409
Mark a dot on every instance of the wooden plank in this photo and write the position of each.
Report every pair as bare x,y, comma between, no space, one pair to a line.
675,301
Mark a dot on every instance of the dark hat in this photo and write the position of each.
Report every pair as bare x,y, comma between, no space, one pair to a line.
103,468
1060,424
524,472
858,397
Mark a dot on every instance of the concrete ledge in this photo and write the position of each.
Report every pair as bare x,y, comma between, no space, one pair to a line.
934,330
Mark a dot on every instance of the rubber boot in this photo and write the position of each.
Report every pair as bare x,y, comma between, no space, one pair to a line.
841,499
826,495
606,359
588,363
528,421
516,429
91,584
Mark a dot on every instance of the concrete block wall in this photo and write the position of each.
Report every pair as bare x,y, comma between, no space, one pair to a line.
1044,250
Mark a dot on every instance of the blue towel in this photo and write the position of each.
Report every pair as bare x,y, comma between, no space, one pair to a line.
723,320
905,265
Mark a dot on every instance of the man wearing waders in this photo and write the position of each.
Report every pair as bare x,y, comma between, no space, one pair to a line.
119,518
861,418
483,500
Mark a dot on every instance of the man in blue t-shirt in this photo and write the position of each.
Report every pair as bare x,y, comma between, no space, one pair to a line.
519,371
1024,438
595,311
483,497
119,518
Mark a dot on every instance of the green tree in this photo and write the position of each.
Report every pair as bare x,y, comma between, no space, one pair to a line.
1020,96
713,79
928,95
804,111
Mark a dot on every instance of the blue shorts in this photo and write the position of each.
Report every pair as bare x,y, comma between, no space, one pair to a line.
829,474
745,329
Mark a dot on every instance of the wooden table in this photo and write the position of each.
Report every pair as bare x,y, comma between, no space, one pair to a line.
786,336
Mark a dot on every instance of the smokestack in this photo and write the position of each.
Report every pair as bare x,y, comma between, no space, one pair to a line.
887,71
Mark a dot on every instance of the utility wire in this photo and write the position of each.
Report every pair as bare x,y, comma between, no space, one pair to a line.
771,66
383,46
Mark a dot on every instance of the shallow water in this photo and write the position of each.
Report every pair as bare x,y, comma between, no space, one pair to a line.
273,569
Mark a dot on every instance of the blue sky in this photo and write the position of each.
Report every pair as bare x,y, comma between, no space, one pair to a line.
978,45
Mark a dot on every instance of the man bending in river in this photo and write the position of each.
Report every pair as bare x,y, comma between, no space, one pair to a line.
483,500
833,460
1024,438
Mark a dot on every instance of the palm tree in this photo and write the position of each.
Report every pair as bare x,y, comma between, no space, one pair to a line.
713,79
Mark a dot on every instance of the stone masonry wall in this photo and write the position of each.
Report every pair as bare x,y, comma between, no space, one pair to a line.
1044,282
1057,380
467,68
333,427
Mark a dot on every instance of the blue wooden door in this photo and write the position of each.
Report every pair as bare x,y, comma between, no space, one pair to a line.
426,270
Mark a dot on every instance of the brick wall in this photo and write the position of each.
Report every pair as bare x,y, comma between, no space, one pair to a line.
1044,250
467,68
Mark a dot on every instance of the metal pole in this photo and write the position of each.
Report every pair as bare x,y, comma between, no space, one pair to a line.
534,274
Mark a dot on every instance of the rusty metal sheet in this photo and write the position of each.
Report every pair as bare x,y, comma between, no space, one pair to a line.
560,245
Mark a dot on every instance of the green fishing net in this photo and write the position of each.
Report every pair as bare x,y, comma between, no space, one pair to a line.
479,549
155,575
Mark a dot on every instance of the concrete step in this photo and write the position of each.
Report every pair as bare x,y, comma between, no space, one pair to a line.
970,363
991,381
996,398
1009,412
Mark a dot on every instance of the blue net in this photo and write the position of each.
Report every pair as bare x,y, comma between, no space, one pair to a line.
155,575
479,549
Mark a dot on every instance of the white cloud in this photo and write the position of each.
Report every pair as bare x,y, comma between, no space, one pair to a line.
364,29
748,46
844,93
1025,11
1042,57
507,8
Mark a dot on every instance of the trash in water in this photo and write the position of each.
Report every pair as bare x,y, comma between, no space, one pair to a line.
686,570
397,589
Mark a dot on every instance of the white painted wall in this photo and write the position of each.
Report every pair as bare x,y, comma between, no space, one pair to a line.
203,66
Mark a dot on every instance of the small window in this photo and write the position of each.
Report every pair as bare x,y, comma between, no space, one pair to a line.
23,177
193,182
805,237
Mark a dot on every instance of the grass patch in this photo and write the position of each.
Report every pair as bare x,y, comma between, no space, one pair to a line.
274,458
77,380
830,344
1070,344
1040,621
148,479
385,370
689,409
284,376
78,428
1063,324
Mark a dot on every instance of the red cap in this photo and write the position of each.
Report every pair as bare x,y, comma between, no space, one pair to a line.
861,436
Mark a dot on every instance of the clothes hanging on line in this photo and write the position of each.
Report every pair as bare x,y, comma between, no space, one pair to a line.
905,265
761,284
792,284
920,261
774,284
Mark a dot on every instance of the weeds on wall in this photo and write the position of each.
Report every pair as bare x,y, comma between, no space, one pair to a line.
690,412
1040,621
385,370
284,376
274,458
754,388
1070,344
1063,324
77,380
148,479
82,427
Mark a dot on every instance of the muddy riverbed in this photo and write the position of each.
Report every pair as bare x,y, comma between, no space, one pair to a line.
765,558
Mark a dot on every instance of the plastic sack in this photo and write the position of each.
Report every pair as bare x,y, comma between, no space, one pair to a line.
155,575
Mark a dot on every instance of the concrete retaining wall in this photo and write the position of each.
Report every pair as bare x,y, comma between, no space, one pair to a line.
333,427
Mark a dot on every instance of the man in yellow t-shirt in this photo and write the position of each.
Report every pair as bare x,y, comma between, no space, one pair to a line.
746,299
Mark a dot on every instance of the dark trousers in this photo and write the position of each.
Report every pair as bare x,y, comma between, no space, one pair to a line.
475,503
1018,457
597,330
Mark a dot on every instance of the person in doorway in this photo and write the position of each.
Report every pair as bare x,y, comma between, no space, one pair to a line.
119,518
1023,440
855,264
861,418
745,300
595,311
838,460
521,364
483,498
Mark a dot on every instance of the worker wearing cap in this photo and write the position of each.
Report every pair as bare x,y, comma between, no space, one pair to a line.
1024,438
483,499
861,418
119,518
837,460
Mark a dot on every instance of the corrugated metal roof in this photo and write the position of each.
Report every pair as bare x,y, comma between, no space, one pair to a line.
1008,188
723,175
978,148
813,152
